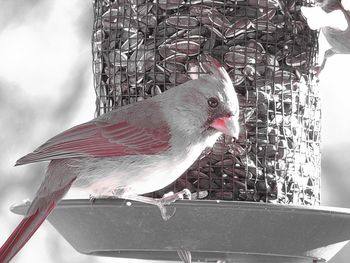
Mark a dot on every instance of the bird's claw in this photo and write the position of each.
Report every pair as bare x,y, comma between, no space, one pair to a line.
170,198
161,203
164,211
93,198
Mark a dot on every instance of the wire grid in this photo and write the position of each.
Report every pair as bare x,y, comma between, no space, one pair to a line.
141,48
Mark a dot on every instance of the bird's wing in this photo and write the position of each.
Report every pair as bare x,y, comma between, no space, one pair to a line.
100,138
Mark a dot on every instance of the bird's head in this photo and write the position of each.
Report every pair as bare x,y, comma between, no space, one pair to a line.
208,103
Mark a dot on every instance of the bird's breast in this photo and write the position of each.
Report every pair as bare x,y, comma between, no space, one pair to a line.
140,174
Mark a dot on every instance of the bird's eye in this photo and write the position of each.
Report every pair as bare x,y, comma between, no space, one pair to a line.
213,102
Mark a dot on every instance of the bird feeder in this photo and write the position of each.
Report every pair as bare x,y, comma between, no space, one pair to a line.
255,199
141,49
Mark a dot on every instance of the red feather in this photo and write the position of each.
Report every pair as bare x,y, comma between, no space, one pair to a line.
31,223
102,139
23,233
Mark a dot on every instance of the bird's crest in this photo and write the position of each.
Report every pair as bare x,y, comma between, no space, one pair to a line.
212,66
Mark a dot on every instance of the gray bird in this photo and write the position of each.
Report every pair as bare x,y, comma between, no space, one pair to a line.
137,149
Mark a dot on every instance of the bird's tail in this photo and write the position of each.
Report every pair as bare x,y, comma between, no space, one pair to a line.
23,233
39,210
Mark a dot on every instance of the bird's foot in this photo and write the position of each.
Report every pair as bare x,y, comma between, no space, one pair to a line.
161,203
93,198
166,212
170,198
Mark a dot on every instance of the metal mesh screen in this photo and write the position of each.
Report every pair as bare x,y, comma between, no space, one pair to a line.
141,48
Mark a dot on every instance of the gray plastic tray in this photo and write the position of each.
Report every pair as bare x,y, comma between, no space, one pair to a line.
237,231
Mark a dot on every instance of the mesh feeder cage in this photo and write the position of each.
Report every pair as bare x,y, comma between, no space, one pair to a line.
255,199
143,48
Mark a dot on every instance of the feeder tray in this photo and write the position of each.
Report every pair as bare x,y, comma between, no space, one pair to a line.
211,230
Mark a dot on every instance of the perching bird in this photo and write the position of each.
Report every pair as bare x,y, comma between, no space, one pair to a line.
331,17
137,149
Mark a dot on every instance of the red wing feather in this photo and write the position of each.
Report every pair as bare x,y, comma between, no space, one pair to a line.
102,139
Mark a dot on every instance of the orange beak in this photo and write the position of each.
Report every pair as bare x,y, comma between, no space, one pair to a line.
227,125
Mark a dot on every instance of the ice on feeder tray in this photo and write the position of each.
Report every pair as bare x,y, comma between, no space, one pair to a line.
142,48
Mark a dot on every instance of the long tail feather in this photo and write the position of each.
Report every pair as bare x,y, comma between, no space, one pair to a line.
23,233
39,210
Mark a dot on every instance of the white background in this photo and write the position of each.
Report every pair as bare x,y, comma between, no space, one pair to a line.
46,87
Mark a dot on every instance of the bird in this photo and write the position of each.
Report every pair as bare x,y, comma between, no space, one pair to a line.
333,19
133,150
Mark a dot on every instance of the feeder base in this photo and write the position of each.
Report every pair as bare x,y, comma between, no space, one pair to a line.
212,230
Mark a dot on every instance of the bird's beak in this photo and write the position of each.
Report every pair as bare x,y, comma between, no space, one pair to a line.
227,125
